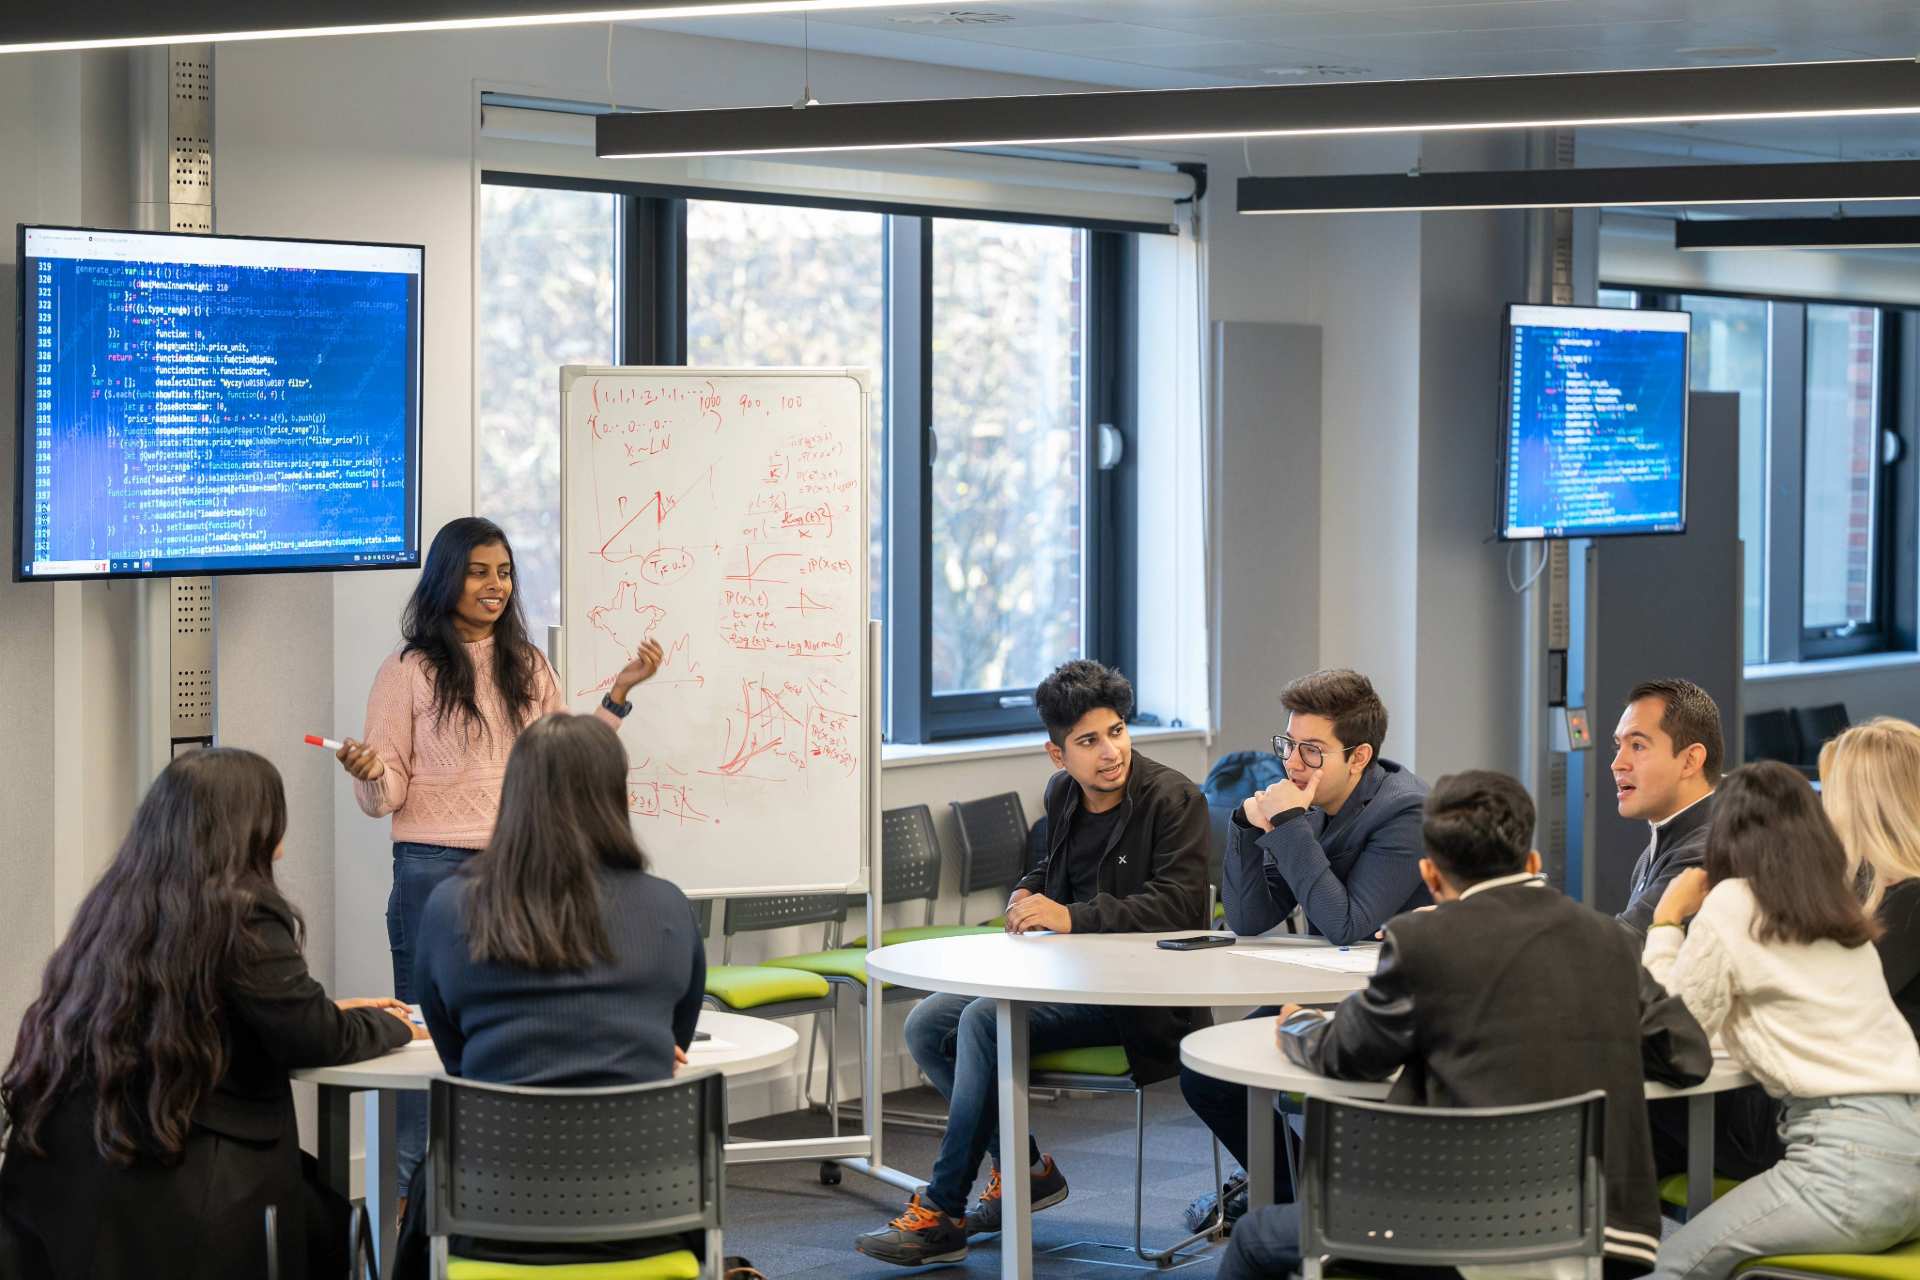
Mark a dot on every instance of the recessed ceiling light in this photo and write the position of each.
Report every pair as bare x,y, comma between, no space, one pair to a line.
1317,71
955,18
1728,51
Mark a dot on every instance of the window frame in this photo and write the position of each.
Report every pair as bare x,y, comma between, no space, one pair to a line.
1783,608
651,276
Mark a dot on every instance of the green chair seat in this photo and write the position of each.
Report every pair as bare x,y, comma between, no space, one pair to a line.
921,933
988,926
1673,1190
1902,1262
1103,1060
1219,911
678,1265
751,986
841,962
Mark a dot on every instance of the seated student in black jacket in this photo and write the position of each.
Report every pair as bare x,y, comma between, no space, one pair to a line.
151,1118
554,957
1126,853
1505,993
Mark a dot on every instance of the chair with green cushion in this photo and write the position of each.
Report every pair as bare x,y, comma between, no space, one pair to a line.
1673,1190
1104,1069
577,1166
910,872
1902,1262
993,846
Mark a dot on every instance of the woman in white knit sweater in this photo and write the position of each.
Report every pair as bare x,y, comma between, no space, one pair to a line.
1776,964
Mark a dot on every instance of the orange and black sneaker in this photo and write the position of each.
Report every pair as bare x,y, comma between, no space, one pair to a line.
1049,1188
919,1237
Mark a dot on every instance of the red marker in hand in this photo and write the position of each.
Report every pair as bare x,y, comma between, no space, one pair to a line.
315,740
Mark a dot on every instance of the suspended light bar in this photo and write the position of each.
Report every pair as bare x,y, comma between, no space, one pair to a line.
109,24
1793,91
1798,233
1707,184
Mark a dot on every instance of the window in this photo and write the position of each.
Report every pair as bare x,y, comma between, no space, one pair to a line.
1816,465
1000,429
547,267
1008,472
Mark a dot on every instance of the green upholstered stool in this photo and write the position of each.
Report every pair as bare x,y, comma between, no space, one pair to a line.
743,987
1219,911
1104,1060
921,933
1673,1190
678,1265
1902,1262
840,964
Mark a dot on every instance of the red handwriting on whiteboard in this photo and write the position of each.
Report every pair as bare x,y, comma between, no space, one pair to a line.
666,564
754,568
664,798
830,739
758,729
624,544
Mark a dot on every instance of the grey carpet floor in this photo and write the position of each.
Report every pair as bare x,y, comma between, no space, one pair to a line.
790,1226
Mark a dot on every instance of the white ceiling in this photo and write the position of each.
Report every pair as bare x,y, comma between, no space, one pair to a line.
1162,44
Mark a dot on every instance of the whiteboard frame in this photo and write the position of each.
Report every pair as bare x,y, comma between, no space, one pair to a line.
868,669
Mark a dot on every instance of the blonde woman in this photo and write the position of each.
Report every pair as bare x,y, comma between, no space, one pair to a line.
1870,781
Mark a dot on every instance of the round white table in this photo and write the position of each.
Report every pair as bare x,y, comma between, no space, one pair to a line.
1125,969
740,1046
1245,1053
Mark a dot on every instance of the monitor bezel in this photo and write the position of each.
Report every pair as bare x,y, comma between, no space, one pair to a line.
23,441
1502,449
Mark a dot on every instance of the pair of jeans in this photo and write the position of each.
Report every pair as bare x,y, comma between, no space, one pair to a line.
955,1043
1746,1134
1222,1106
417,870
1849,1183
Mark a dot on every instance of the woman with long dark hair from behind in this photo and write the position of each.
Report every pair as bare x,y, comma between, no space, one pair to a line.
444,712
150,1118
1776,962
554,958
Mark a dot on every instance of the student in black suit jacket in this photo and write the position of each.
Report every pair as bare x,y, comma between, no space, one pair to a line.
1506,993
151,1121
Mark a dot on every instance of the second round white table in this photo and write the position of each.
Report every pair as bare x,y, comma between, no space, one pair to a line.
1121,969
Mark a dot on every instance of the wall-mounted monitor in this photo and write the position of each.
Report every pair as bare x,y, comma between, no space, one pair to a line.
1593,435
215,404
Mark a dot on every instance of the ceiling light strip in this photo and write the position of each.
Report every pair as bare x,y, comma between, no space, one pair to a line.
1798,233
1584,188
1586,99
116,24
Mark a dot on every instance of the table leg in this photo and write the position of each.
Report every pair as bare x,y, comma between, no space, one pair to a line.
1260,1154
334,1142
1016,1189
1699,1153
382,1183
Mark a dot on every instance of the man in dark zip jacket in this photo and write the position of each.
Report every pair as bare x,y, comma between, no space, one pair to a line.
1126,853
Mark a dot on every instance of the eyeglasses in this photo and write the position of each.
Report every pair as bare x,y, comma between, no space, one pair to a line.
1312,754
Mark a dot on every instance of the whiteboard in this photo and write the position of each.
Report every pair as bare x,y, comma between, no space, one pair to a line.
723,512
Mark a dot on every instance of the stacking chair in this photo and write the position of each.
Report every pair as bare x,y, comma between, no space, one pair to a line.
577,1166
993,846
1902,1262
1105,1070
1443,1186
1815,726
1773,735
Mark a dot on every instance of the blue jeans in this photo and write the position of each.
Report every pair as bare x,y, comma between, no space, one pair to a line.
1850,1183
417,870
954,1041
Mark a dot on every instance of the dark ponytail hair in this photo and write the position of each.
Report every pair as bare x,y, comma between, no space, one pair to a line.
534,902
1769,830
428,629
130,1005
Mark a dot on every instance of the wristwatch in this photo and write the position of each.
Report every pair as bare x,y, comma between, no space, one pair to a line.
618,708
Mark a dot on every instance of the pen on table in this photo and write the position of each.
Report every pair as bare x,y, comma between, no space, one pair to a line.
315,740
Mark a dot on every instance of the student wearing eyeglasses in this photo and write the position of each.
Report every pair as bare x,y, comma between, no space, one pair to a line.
1339,836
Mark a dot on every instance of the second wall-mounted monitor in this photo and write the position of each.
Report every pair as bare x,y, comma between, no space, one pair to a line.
1594,430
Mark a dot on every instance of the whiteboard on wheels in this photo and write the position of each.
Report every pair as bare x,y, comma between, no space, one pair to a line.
723,514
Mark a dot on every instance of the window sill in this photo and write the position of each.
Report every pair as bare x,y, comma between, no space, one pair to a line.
903,755
1832,666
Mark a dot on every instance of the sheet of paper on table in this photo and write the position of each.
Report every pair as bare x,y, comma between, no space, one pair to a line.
712,1044
1332,959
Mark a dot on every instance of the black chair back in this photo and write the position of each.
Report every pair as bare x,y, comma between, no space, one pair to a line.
993,843
1817,725
909,855
1772,735
782,910
510,1162
1447,1187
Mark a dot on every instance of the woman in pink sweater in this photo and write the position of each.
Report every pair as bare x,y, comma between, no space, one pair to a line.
443,714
